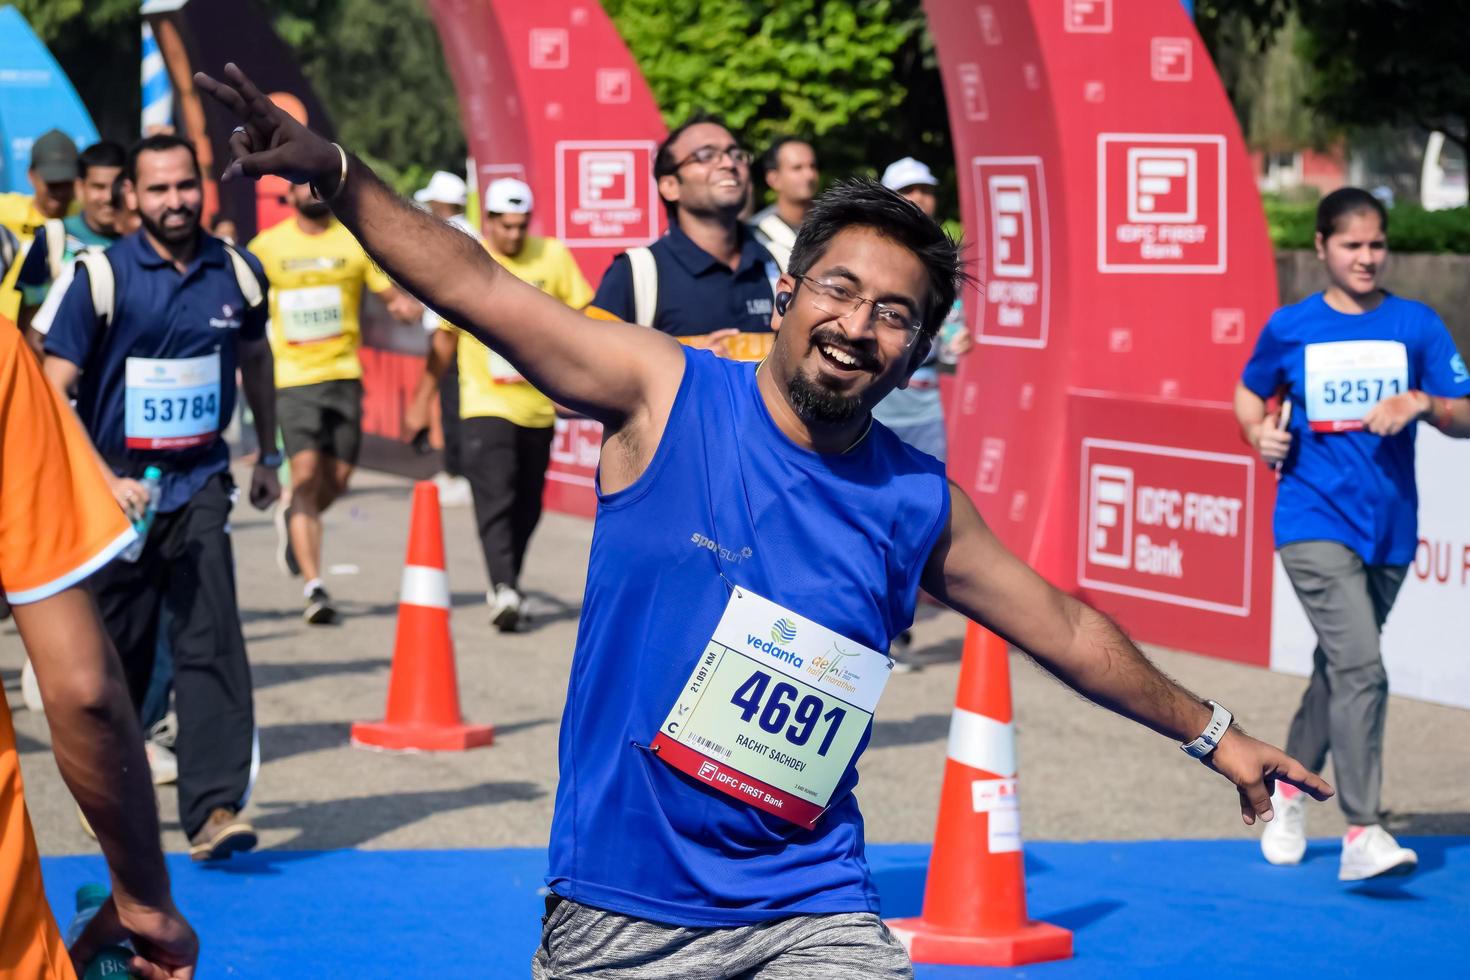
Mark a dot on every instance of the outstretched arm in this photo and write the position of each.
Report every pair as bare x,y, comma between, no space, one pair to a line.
975,574
615,373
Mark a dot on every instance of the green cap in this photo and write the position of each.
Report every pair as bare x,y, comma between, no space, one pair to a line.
152,473
54,157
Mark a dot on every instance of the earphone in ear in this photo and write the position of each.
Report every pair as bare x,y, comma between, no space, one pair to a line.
783,299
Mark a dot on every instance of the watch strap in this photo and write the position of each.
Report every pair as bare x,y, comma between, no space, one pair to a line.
1220,721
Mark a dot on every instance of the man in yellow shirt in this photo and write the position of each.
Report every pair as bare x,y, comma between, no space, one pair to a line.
53,176
507,424
317,273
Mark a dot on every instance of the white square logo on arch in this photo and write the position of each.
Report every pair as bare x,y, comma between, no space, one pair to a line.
1161,203
1087,16
550,47
605,194
1014,247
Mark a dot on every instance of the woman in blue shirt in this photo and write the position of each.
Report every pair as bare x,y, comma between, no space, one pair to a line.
1356,367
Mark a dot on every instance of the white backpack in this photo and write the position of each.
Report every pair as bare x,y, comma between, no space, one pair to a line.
645,284
104,282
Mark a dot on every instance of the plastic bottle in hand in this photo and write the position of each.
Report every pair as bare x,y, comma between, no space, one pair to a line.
151,478
110,961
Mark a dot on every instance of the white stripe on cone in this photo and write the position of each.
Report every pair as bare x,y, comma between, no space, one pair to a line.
424,586
982,743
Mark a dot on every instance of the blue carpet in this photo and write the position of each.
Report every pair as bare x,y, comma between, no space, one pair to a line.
1148,909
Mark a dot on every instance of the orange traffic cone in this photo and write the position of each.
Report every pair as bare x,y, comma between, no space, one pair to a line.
975,897
423,694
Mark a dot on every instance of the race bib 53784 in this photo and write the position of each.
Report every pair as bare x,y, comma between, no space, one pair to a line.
171,403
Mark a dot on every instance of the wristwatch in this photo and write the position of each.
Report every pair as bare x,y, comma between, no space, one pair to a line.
1214,731
269,460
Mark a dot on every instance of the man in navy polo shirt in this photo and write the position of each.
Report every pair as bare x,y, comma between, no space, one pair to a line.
154,383
714,284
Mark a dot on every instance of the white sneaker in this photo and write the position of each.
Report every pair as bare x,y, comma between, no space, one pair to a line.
1284,839
454,491
162,763
30,691
505,609
1372,853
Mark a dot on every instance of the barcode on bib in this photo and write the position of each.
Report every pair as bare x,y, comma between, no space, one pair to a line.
714,747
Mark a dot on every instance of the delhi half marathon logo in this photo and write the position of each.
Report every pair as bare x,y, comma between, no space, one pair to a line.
783,630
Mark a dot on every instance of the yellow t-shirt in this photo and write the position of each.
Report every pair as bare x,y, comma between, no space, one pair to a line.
316,295
488,386
18,213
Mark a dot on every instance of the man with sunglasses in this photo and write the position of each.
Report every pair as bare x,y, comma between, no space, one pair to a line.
708,282
759,543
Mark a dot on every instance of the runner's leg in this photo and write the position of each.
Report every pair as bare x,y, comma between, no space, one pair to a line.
489,462
307,477
854,946
211,673
1332,583
533,455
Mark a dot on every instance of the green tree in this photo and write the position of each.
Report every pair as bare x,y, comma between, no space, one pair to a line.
859,79
1365,63
379,67
98,44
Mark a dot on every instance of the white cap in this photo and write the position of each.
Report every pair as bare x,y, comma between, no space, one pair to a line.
908,172
508,196
444,187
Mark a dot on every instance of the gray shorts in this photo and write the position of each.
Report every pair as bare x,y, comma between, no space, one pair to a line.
326,417
578,941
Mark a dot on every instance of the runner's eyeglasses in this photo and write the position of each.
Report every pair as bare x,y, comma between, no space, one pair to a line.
837,300
707,155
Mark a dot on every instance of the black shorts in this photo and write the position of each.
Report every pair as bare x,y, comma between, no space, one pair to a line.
326,417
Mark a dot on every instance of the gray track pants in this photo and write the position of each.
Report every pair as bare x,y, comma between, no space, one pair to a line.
579,941
1345,703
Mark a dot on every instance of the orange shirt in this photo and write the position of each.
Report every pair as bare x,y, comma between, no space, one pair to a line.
58,524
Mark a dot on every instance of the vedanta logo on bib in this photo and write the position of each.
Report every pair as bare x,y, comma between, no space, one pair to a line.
782,631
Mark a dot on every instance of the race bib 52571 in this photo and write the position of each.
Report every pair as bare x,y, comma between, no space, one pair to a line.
171,403
1345,379
775,709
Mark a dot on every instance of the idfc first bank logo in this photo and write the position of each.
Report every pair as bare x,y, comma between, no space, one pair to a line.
1160,203
1010,194
605,194
1168,524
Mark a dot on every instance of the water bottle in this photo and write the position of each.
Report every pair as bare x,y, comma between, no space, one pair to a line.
151,478
110,961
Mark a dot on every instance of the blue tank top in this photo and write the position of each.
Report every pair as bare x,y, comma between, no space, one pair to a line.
728,500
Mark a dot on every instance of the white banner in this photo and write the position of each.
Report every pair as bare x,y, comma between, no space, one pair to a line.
1426,644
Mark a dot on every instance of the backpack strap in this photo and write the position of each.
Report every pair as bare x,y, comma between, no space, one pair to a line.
55,246
103,282
245,276
645,284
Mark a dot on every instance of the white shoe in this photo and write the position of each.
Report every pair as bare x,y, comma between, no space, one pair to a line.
454,491
1372,853
30,691
505,609
1284,839
162,763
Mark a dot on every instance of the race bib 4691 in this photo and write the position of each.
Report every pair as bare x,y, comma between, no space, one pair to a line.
775,709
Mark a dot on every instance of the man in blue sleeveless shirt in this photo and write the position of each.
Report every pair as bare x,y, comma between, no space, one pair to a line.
759,542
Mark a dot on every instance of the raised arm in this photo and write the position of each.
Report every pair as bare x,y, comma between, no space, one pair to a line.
613,372
976,575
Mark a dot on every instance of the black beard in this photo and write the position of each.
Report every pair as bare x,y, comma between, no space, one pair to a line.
172,236
815,403
314,209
